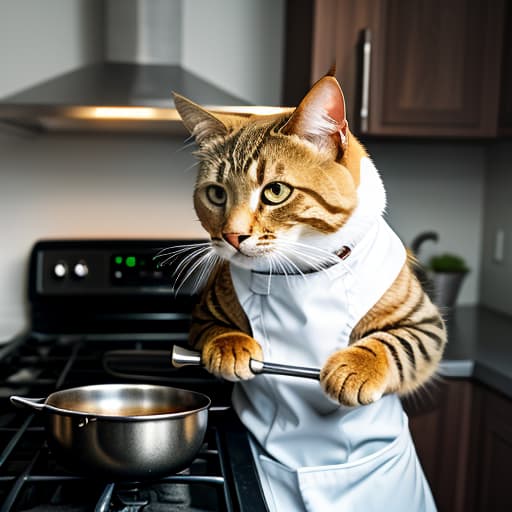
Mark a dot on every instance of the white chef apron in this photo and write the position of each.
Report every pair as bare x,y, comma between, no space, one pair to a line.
313,454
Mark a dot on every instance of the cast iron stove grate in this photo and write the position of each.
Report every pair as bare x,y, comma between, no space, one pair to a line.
74,320
32,480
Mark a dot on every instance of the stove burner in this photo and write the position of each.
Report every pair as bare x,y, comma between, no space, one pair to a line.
151,498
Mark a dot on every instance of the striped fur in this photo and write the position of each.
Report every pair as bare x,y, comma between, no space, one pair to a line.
221,330
397,345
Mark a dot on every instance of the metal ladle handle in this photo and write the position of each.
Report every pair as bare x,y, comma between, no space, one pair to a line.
185,357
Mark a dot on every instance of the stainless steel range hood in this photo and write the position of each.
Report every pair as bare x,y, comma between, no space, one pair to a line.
130,91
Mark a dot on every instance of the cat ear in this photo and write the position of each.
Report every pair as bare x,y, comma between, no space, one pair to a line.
321,114
199,122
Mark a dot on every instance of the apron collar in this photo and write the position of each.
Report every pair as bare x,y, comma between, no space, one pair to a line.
266,284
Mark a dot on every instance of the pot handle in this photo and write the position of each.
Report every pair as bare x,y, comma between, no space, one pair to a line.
33,403
185,357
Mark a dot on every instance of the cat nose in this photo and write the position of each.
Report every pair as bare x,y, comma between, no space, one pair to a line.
235,239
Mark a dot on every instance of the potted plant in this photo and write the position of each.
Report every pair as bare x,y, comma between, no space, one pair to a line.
447,272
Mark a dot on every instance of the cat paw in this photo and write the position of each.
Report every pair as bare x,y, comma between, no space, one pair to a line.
228,355
357,375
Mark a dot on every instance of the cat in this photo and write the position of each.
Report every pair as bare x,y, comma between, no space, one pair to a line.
310,273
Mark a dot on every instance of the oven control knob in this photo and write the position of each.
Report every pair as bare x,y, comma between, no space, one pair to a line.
81,269
60,270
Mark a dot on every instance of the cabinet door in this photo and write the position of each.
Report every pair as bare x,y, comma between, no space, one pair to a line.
433,66
495,457
440,424
506,84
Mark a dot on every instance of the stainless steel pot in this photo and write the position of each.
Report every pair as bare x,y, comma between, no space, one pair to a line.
123,431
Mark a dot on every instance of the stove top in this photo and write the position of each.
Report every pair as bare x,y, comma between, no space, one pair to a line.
98,332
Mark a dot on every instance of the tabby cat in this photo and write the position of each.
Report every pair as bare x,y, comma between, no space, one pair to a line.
309,274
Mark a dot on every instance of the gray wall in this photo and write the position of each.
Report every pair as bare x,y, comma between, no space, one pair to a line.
87,186
39,40
236,44
496,288
437,186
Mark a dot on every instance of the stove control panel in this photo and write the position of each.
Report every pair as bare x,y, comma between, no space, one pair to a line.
60,268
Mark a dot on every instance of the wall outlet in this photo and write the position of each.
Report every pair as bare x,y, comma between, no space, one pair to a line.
499,246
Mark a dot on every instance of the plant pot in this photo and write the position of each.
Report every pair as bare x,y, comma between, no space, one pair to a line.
446,288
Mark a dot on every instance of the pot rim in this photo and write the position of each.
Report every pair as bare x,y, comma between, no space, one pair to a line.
41,405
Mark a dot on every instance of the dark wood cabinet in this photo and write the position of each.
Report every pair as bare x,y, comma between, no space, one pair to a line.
494,449
463,436
428,68
505,117
440,420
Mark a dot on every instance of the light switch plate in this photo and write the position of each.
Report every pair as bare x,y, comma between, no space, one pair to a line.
499,246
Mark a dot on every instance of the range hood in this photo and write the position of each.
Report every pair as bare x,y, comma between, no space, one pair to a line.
130,90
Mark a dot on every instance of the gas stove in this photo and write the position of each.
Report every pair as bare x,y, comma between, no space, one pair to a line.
105,312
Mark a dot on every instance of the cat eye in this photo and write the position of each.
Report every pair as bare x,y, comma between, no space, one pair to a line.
276,193
216,195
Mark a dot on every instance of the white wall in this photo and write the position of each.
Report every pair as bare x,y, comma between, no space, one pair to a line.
75,186
237,45
496,286
436,186
39,40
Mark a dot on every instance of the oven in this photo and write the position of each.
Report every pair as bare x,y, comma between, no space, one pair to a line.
106,311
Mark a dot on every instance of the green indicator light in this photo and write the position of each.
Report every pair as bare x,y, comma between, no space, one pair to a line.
119,260
130,261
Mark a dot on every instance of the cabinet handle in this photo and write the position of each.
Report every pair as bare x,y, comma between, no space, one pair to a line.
365,93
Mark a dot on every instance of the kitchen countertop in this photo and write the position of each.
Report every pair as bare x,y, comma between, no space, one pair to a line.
479,347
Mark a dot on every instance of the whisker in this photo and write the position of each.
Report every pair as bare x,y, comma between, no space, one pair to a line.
292,264
211,261
182,265
190,167
186,145
181,246
173,255
189,141
270,258
280,265
186,267
311,248
319,259
309,261
212,264
190,272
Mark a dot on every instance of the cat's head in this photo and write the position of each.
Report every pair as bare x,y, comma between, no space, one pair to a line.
273,192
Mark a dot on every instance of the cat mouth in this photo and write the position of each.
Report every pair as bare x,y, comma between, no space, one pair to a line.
232,244
248,251
245,252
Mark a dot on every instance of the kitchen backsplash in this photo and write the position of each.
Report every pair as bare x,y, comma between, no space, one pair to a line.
27,52
97,186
